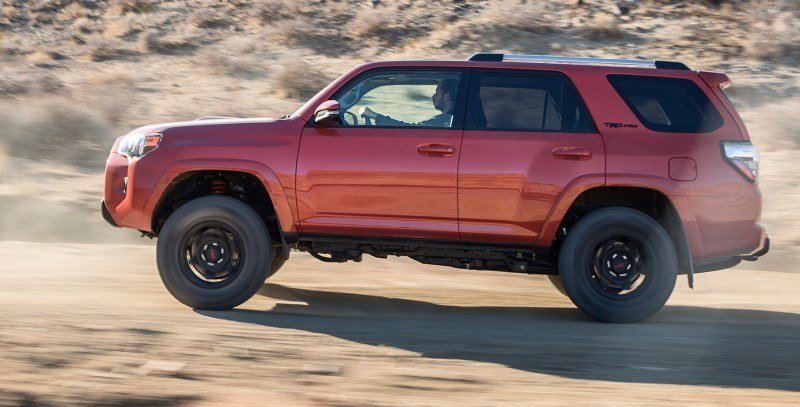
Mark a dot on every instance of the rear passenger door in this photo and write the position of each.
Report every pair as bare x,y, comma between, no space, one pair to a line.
526,137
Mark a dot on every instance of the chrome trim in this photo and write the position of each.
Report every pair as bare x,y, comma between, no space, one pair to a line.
550,59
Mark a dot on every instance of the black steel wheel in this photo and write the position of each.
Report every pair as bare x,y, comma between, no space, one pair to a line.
214,253
618,265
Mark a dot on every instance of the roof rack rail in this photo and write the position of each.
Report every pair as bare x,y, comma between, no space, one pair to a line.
550,59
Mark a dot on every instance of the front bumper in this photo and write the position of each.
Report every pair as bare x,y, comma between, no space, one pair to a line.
107,215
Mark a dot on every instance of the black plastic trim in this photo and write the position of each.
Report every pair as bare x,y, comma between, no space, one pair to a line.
487,57
410,241
680,66
107,215
718,264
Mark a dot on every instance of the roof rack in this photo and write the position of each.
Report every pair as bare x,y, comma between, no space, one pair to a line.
550,59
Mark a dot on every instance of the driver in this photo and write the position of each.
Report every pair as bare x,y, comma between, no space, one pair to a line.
444,100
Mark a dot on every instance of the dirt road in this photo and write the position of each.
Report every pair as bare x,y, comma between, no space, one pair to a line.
92,325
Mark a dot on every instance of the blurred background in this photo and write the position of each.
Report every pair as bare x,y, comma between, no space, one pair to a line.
76,74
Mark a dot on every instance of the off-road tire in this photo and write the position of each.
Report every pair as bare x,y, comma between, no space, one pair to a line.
277,261
253,267
578,259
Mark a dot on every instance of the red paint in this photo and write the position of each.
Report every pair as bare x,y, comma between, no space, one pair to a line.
473,185
682,169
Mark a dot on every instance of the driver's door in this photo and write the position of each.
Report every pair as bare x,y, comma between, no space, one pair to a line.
359,179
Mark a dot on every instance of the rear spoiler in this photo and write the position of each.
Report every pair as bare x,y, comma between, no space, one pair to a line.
718,82
715,79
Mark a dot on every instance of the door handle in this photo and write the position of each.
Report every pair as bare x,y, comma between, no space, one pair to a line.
572,153
436,150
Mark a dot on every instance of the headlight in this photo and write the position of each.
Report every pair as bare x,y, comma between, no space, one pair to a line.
137,145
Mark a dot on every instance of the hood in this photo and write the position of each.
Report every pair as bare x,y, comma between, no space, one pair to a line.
202,121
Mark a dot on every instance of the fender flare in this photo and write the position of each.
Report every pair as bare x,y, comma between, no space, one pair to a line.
691,233
271,183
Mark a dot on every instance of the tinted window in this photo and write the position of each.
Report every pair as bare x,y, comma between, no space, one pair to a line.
668,104
526,101
401,99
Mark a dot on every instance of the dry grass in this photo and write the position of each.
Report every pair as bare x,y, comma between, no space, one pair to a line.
9,13
297,79
776,39
12,87
124,26
107,50
519,15
373,21
108,78
43,58
133,6
206,18
233,57
161,43
55,131
270,11
293,32
603,26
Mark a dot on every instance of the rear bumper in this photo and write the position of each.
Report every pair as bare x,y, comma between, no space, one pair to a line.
764,249
728,262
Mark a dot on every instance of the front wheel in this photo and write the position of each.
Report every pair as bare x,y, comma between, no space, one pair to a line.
213,253
618,265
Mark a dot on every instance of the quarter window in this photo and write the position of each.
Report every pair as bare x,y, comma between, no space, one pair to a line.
672,105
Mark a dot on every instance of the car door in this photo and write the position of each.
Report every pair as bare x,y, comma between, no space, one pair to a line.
395,176
526,137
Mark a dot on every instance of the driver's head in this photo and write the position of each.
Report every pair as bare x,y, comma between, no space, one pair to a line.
445,97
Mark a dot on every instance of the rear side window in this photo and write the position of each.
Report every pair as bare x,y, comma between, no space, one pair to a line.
671,105
525,101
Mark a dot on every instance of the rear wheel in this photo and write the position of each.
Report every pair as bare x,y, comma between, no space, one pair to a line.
618,265
277,261
214,253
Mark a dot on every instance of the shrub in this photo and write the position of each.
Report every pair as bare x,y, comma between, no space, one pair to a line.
55,131
603,26
296,79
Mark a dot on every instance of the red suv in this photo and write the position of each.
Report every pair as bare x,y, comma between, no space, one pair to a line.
611,177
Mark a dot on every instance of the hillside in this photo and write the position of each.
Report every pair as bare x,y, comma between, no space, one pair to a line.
75,74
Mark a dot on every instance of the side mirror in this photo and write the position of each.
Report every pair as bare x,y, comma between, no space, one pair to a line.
327,113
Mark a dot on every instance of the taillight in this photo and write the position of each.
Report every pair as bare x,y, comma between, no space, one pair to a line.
743,156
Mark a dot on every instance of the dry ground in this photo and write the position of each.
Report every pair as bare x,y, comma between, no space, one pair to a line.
92,325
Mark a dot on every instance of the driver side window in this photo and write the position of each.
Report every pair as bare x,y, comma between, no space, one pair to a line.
401,99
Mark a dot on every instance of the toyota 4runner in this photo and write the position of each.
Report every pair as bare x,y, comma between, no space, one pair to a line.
610,177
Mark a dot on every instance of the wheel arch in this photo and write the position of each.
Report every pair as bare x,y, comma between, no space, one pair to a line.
262,188
668,210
